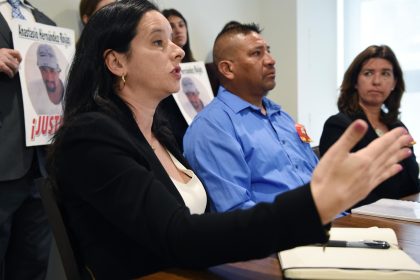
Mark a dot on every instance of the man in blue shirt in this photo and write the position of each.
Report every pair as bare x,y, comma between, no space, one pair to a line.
243,146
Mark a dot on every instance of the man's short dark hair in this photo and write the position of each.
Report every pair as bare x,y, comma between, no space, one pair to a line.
231,29
239,28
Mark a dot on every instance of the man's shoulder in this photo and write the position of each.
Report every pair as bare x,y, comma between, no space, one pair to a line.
215,116
215,110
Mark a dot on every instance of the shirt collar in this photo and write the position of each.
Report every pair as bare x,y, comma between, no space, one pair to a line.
237,104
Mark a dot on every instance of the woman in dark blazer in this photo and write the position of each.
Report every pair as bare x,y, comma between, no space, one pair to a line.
130,202
371,90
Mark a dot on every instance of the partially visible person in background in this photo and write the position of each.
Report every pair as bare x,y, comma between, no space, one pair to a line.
168,107
25,235
88,7
371,90
180,34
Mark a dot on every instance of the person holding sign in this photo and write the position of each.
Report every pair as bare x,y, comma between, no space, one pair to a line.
244,130
129,199
24,230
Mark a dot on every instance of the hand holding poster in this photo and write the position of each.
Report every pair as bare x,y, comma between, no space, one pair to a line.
46,52
195,91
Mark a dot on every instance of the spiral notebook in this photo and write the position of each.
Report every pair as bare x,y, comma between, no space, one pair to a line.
391,208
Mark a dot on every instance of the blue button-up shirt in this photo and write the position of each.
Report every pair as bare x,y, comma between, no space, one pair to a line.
243,156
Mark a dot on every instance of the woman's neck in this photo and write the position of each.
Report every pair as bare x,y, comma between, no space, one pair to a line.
143,108
373,114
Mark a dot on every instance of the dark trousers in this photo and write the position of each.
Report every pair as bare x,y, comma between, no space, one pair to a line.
25,235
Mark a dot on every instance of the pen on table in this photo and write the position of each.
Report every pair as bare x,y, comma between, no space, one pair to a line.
368,244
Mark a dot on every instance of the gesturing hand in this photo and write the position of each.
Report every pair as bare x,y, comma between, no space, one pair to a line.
341,178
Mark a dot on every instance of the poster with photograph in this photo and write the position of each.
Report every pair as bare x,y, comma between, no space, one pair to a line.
46,54
195,91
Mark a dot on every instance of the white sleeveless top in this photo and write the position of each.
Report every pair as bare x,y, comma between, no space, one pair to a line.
192,192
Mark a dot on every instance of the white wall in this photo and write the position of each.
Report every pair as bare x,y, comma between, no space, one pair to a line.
280,26
317,64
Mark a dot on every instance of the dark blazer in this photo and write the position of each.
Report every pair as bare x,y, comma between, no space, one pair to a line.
402,184
127,219
16,158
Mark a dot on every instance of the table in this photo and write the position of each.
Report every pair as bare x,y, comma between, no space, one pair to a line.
408,234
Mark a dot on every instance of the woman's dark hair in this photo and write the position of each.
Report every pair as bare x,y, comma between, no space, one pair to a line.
187,49
348,101
90,85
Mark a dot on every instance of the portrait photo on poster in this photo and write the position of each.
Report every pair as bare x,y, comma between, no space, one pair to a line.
45,68
195,90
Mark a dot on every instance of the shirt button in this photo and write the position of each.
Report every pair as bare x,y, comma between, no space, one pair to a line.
283,142
296,166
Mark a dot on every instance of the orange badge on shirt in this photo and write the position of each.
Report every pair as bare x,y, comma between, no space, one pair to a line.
302,133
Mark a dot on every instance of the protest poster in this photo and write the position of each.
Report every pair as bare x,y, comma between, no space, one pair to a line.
46,55
195,91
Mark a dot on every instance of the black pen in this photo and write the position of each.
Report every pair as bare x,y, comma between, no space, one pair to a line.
370,244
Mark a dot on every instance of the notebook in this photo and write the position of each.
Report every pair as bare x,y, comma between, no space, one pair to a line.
391,208
313,262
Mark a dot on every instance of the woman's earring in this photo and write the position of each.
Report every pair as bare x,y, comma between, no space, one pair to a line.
123,81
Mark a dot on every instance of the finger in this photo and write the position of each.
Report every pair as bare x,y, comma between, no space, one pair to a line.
12,62
387,173
16,55
393,159
6,70
388,145
13,66
350,137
